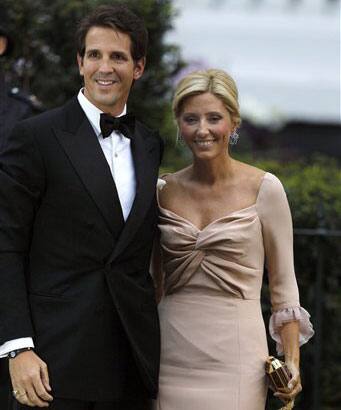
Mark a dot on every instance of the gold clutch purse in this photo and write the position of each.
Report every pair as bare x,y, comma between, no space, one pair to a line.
279,376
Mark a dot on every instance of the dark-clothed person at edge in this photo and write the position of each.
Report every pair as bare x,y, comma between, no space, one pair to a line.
78,216
15,105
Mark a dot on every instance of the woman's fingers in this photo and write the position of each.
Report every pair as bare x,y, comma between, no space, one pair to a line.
294,385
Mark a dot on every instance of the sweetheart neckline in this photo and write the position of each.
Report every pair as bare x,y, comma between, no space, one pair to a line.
222,217
212,222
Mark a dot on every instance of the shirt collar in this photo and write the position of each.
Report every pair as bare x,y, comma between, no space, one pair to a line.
92,112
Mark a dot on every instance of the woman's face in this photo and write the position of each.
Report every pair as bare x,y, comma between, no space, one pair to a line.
205,125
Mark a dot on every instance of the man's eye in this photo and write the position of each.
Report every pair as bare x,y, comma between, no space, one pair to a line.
93,54
118,57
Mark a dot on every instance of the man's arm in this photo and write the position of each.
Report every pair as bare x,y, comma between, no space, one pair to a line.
22,183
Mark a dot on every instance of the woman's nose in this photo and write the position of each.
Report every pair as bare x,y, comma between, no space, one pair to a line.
203,127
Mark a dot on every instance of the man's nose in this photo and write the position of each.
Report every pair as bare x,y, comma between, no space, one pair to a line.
106,66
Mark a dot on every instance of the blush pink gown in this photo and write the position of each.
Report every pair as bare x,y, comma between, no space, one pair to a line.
213,340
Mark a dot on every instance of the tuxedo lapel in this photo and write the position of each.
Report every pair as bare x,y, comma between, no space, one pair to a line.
81,145
146,165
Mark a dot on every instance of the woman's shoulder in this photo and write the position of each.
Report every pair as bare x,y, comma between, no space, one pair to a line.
251,171
170,184
259,178
265,186
272,184
249,176
174,178
271,191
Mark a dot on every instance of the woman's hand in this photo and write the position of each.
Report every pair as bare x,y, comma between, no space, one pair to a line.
294,385
290,339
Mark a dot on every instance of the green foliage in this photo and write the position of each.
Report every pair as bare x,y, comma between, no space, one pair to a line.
45,54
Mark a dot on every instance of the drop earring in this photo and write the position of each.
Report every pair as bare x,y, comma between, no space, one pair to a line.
234,138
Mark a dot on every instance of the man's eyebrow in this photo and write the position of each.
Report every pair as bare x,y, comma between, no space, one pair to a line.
91,49
123,53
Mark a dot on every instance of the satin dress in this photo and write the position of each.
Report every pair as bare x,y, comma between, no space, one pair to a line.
213,339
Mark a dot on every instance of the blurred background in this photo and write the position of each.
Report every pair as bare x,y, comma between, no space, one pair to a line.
285,57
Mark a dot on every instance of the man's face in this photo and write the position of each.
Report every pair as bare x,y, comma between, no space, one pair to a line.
3,45
108,68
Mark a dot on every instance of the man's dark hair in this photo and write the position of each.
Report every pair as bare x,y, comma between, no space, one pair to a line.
117,17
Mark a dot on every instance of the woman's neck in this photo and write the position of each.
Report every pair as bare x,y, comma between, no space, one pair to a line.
213,171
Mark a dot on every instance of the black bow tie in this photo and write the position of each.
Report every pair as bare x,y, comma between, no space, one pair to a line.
124,124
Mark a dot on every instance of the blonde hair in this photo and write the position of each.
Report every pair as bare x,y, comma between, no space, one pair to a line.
214,81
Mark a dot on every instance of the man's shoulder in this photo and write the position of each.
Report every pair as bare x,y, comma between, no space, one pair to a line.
146,130
149,134
51,117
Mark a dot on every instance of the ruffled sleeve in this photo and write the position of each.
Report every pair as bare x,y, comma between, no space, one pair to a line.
274,212
280,317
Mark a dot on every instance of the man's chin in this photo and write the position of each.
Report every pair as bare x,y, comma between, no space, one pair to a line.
108,103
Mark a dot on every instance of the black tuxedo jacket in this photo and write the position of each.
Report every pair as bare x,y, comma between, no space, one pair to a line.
74,275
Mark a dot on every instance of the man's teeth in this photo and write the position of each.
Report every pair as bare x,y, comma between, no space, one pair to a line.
105,82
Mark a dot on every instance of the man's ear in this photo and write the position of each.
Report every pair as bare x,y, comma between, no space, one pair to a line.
139,67
80,64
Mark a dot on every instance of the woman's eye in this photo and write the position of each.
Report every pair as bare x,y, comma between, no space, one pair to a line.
189,120
214,119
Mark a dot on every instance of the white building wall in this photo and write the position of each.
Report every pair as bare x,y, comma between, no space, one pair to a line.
284,54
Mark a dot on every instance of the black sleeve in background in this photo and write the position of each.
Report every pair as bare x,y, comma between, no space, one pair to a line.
22,177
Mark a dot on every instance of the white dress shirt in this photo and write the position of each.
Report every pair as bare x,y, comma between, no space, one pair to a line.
117,151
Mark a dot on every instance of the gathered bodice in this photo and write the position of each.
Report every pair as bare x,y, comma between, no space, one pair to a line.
228,255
